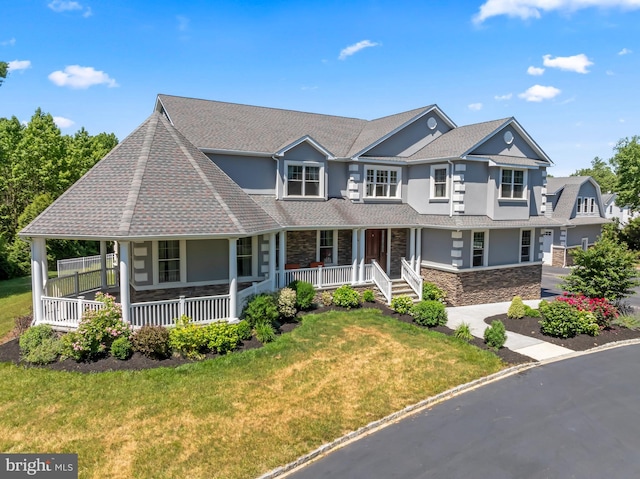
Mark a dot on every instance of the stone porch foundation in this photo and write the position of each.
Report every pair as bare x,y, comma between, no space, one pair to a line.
469,287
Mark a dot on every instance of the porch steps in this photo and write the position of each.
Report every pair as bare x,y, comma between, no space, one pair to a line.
400,287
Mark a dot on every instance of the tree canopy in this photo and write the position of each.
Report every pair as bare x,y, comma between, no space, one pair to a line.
37,164
626,162
4,69
601,172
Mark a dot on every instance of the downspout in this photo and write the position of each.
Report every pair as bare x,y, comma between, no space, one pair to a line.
451,190
275,157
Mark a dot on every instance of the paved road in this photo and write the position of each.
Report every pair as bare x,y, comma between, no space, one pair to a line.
577,418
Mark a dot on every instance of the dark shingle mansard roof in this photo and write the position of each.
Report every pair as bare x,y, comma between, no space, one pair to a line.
153,184
567,188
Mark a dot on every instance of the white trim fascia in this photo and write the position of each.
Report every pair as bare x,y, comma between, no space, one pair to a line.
379,161
164,109
306,139
447,120
439,166
507,165
222,151
322,184
399,184
525,185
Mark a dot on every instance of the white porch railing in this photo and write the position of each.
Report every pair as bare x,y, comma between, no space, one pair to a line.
78,283
256,288
381,280
412,278
324,276
69,266
66,313
201,310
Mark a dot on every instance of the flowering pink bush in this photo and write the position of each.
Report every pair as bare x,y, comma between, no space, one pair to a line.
601,308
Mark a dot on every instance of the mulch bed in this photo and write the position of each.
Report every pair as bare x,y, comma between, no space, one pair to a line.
531,327
10,350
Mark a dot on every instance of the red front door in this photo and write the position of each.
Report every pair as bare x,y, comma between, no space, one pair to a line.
376,247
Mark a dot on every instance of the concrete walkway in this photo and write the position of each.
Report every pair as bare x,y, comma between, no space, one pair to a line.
474,316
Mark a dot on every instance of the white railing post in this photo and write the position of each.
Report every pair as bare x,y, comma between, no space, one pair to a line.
80,307
319,276
354,256
103,264
233,278
361,254
181,306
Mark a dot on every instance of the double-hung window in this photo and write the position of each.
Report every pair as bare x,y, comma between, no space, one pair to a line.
479,248
245,256
525,246
304,179
579,205
439,182
327,246
382,182
592,205
169,261
512,184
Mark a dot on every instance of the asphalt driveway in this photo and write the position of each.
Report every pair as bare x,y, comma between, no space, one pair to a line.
576,418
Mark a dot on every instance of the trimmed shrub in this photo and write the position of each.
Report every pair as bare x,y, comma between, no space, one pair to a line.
429,313
559,319
244,330
187,339
401,304
587,323
152,342
326,298
287,299
40,345
261,309
602,309
430,291
529,312
221,337
346,297
305,292
368,296
495,335
121,348
265,333
516,309
463,332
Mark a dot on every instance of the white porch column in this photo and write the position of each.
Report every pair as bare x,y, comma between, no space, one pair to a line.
412,247
37,281
283,256
354,256
387,267
272,261
125,300
233,278
418,250
361,254
103,264
44,265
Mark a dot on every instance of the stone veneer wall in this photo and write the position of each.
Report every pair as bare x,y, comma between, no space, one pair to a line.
187,291
557,256
301,247
344,247
487,285
398,251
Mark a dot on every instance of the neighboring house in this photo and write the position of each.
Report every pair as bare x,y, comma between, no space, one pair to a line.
624,214
576,202
219,200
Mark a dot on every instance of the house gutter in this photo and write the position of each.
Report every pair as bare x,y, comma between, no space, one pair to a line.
277,158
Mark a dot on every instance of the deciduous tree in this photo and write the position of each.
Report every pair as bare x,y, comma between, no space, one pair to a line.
627,165
601,172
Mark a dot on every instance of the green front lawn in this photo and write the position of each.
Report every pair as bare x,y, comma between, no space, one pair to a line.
239,415
15,300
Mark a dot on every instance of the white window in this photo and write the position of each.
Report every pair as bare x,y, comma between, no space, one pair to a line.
585,244
525,246
592,205
513,184
382,182
169,261
245,256
328,247
304,179
579,205
439,181
479,248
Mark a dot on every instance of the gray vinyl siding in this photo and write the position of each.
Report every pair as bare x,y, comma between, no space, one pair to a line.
535,192
575,235
419,191
506,209
207,260
302,152
141,263
337,179
476,188
504,247
410,139
497,146
255,175
436,246
588,190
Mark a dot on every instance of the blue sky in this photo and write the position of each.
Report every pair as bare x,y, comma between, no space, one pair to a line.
568,70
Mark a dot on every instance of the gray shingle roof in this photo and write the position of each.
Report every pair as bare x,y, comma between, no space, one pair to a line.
567,189
558,182
504,160
154,183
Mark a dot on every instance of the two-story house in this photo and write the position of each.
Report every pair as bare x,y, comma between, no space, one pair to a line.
208,202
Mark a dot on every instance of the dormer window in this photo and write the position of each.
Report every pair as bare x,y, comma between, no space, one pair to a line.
382,182
513,184
304,179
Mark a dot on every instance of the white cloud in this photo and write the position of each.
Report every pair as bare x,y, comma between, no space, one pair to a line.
75,76
575,63
19,65
475,106
8,43
64,6
538,93
503,97
355,48
63,122
535,71
525,9
183,23
621,120
87,13
625,51
610,73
